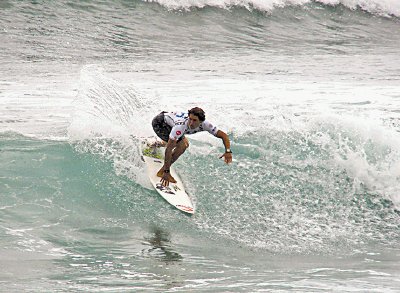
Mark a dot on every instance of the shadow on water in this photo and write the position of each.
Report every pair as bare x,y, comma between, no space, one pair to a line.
160,246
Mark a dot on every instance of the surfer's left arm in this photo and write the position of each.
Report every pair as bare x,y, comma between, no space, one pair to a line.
227,143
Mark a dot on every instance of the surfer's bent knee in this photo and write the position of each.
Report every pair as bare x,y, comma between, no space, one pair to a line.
183,144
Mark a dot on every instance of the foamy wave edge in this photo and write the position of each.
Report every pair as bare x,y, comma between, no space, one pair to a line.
386,8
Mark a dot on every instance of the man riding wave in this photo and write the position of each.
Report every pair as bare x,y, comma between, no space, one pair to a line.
171,127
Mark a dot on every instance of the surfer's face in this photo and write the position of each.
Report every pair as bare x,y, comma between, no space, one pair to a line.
193,122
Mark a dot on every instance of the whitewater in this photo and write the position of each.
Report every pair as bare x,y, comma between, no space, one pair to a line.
308,91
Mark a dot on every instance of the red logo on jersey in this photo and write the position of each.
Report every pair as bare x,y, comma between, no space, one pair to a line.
178,132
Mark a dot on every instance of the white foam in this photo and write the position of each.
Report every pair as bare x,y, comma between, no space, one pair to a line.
108,120
372,157
381,7
110,117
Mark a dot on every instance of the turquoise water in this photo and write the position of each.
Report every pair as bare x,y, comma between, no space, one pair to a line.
308,92
69,223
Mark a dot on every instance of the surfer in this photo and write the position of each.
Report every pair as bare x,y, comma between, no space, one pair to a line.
171,127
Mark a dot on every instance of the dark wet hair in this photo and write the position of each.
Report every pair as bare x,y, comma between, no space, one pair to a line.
198,112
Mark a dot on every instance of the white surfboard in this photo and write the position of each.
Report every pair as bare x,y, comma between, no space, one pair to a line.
175,193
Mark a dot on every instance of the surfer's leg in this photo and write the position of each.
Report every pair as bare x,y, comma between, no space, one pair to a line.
180,149
176,153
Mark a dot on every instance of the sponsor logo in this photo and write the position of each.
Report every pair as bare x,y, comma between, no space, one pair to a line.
175,187
178,132
184,208
180,115
164,189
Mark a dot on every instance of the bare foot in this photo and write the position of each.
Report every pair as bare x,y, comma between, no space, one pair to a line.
158,144
171,179
160,174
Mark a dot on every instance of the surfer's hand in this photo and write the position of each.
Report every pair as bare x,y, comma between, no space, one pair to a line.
227,157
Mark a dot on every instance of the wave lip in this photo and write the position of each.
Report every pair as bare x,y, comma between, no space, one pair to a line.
378,7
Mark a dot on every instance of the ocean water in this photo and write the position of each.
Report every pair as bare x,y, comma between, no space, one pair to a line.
308,91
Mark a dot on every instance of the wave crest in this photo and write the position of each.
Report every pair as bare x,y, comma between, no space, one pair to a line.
379,7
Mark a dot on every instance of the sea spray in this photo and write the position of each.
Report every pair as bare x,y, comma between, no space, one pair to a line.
109,121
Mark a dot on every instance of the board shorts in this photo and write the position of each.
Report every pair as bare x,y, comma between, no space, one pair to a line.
161,128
